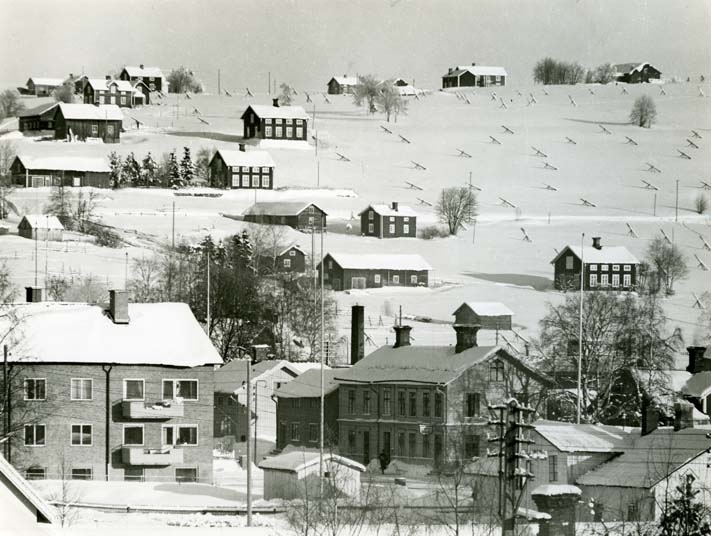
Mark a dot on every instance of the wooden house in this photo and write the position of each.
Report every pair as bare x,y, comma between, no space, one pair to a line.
291,260
152,77
110,91
241,169
474,76
346,271
636,73
342,85
36,171
383,221
486,315
299,215
275,122
84,121
37,118
604,268
43,87
40,227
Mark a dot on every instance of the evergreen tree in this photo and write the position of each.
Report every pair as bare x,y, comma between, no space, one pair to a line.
150,171
115,166
131,171
685,515
174,178
187,170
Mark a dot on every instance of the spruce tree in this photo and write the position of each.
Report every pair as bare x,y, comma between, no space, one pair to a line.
150,169
174,178
115,166
186,167
131,171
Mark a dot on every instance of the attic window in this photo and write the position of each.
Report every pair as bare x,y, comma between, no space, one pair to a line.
569,262
292,253
593,267
496,371
627,268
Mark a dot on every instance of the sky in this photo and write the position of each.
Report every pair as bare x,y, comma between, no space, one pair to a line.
305,42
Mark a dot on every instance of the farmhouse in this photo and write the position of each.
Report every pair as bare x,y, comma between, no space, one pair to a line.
290,260
605,268
151,77
275,122
37,118
340,85
110,91
427,404
486,315
636,73
383,221
116,392
241,169
346,271
36,171
298,410
43,87
40,227
298,215
85,121
474,75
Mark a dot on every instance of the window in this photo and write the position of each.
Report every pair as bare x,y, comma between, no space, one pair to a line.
186,474
313,432
553,468
186,435
123,99
133,474
371,228
426,404
496,371
615,280
473,404
311,209
366,402
81,388
396,280
268,131
81,473
604,267
133,434
311,221
413,403
287,263
94,130
289,132
376,279
412,444
299,132
391,228
401,404
351,440
438,405
406,220
185,389
387,407
292,253
36,473
406,229
35,389
413,280
471,446
593,280
255,181
245,181
330,264
351,401
35,435
81,435
371,215
603,280
279,131
288,122
265,181
627,268
626,280
615,267
392,218
569,262
401,444
112,89
632,512
110,130
593,267
426,446
133,389
294,431
265,170
299,122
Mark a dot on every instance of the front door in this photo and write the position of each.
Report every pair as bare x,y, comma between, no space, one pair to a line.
438,449
366,448
386,442
357,282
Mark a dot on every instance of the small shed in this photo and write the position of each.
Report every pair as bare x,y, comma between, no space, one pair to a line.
339,85
287,476
40,227
488,315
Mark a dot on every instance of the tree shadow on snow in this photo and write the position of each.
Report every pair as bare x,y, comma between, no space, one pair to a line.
591,122
538,283
200,489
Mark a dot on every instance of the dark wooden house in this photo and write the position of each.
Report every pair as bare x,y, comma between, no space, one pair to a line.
110,91
37,118
152,77
636,73
82,121
346,271
605,268
43,87
342,85
486,315
275,122
291,260
36,171
298,410
299,215
474,75
40,227
383,221
241,169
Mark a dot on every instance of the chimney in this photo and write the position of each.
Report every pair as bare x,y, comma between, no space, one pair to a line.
650,416
394,205
466,336
449,71
697,362
596,242
683,416
402,336
109,77
473,64
241,147
260,352
357,333
33,294
275,102
141,66
118,306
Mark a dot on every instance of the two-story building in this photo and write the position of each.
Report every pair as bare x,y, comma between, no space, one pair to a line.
88,121
110,91
297,214
289,260
241,169
604,268
116,392
275,122
393,221
345,271
145,79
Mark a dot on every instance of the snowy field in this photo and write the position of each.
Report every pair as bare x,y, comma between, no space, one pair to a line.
602,168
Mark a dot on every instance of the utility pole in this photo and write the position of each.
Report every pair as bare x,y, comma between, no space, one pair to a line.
321,418
219,87
269,82
580,326
36,231
207,298
249,436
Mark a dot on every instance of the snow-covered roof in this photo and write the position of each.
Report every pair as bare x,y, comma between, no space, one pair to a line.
487,308
11,477
556,489
308,384
569,437
303,366
346,80
144,71
65,163
37,110
293,246
232,376
387,210
604,255
298,460
478,70
42,221
280,208
697,385
103,112
157,334
103,84
246,158
406,91
629,68
379,261
39,81
277,112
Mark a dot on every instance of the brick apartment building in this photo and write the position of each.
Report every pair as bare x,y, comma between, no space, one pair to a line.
117,392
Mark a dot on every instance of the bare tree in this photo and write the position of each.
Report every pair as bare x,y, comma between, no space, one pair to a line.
366,92
183,80
701,203
456,207
64,93
668,261
144,286
644,111
66,496
57,287
10,103
390,102
87,289
287,94
604,74
8,151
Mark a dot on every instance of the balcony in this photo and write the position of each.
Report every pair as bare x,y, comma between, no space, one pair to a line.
161,410
143,456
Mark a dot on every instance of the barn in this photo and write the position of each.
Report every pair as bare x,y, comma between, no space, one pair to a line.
636,73
296,214
36,171
83,121
40,227
486,315
346,271
275,122
291,475
474,75
388,221
241,169
342,85
37,118
43,87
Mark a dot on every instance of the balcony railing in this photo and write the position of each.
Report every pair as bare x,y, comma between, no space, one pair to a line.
161,410
143,456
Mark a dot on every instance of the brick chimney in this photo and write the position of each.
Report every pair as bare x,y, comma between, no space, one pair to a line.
141,66
697,362
683,416
596,242
33,294
394,205
473,64
650,416
118,306
357,333
402,336
466,336
275,102
109,77
241,147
